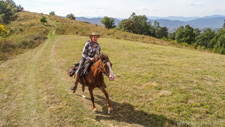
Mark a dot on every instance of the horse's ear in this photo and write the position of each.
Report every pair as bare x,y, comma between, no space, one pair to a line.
101,56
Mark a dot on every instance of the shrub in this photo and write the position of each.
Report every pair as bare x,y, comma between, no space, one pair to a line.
43,19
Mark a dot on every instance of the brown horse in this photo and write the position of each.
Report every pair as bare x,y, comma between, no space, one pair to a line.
95,78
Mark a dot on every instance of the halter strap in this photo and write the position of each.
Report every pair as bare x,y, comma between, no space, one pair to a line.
100,65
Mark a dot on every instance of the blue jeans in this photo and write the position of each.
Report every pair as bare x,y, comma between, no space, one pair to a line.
81,65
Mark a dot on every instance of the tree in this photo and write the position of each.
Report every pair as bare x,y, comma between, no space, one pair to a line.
108,22
224,24
71,16
20,8
205,38
180,34
43,19
189,36
141,24
197,32
163,32
8,9
220,46
172,35
126,25
52,13
185,34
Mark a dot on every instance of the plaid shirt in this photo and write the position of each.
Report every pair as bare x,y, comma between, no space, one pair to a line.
89,52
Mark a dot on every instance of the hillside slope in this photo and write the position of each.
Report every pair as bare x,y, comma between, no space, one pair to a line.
27,32
155,86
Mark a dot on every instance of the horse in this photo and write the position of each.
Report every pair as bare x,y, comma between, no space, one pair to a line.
95,78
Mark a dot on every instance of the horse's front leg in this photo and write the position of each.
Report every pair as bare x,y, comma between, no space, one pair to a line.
107,97
74,87
92,99
83,89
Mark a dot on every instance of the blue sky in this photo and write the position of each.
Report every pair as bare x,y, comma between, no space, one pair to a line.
124,8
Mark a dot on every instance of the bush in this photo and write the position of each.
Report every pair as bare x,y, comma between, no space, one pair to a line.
52,13
43,19
2,30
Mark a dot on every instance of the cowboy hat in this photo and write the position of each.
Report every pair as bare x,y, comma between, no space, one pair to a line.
94,34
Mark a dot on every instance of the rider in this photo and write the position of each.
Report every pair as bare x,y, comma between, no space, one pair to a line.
91,48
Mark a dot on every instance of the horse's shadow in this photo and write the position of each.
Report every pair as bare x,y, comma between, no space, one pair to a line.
125,112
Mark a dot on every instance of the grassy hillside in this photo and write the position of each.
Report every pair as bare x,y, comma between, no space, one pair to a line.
155,86
71,27
26,32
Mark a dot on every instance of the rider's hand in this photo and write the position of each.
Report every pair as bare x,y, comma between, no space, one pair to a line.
92,59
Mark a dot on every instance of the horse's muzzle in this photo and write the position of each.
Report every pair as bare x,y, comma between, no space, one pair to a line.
111,77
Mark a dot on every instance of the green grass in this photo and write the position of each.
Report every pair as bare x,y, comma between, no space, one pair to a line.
155,86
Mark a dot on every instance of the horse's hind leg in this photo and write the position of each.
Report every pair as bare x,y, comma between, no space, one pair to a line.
107,97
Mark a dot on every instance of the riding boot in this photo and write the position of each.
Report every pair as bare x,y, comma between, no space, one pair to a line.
104,84
77,76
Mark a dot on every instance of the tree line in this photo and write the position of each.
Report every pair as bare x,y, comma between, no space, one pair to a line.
185,35
208,39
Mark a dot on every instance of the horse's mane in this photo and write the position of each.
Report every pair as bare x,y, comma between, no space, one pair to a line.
103,57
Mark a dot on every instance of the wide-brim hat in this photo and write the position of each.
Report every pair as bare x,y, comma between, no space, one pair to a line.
94,34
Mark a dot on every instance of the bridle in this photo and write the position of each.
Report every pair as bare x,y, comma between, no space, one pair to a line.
104,61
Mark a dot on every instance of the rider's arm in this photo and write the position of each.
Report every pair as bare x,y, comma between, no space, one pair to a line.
85,53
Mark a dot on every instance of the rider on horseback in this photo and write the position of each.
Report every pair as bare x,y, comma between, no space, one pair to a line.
91,48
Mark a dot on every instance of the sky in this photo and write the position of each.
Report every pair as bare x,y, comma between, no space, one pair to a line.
124,8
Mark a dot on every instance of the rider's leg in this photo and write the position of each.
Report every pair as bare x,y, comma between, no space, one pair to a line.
79,71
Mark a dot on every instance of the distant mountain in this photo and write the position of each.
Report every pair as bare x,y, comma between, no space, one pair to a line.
173,18
202,23
180,18
96,20
173,22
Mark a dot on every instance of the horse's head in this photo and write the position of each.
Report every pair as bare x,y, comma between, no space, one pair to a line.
106,67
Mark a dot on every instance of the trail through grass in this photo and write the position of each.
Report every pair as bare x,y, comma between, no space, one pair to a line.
155,86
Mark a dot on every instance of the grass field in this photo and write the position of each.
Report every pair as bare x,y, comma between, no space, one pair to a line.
155,86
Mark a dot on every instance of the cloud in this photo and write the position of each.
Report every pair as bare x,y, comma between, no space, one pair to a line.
191,3
144,9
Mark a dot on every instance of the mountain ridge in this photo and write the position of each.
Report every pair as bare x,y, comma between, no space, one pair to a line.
173,22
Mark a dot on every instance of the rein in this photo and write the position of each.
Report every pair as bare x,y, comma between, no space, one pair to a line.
101,66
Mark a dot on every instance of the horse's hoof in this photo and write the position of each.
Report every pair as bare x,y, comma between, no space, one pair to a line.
95,111
110,111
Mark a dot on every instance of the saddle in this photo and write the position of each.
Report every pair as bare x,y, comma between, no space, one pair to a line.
87,66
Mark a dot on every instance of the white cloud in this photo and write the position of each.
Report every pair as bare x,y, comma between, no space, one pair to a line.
191,3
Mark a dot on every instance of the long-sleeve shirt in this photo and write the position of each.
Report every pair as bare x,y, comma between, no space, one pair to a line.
89,51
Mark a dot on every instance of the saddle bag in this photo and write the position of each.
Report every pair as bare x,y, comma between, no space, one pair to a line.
72,70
